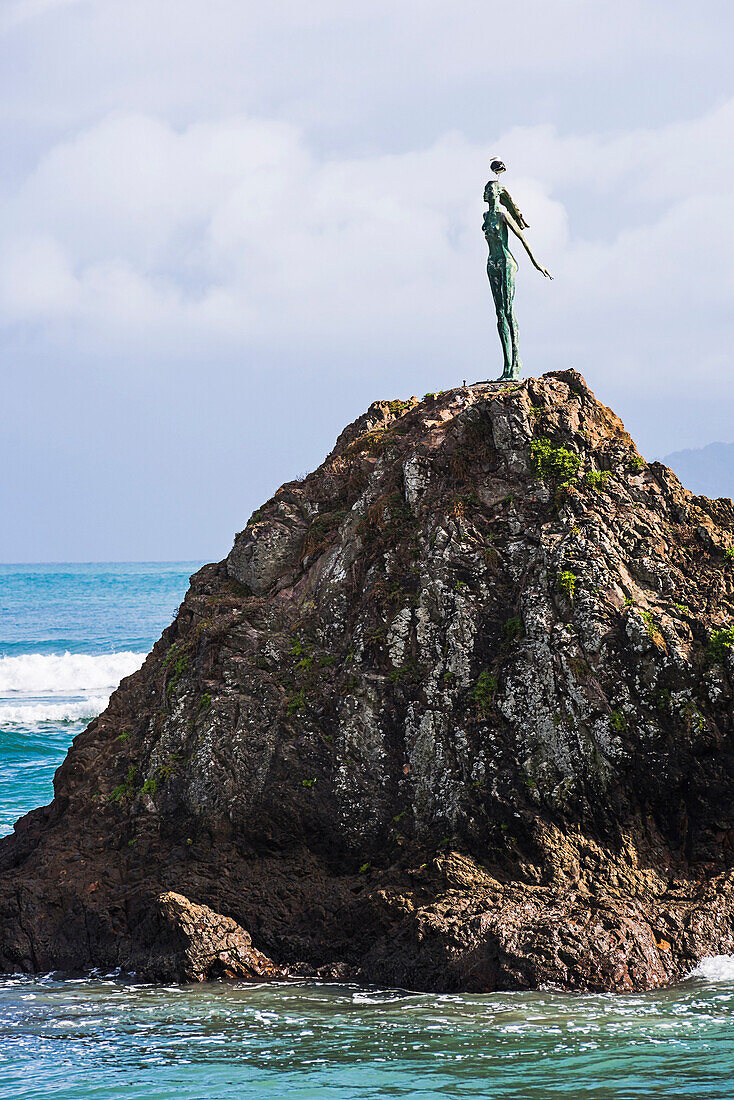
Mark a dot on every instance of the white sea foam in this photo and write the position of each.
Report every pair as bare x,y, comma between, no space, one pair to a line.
31,714
715,968
65,673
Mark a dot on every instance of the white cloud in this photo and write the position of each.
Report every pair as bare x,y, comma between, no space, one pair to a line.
222,198
368,72
237,230
36,282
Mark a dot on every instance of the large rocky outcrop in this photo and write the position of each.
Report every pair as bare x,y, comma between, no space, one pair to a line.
455,713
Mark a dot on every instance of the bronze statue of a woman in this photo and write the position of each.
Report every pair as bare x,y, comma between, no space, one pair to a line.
501,265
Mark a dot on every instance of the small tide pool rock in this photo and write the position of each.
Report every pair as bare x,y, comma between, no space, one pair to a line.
192,943
456,713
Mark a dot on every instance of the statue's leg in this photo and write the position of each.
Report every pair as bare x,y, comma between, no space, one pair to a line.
496,281
516,361
511,319
506,340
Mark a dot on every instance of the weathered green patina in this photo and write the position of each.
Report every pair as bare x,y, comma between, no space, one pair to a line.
502,215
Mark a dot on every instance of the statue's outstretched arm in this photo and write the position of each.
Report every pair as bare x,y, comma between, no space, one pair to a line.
519,234
509,204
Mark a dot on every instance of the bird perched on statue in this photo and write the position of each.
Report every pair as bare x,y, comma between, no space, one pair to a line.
498,167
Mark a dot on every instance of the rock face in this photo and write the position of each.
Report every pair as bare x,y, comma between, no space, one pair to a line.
454,714
192,943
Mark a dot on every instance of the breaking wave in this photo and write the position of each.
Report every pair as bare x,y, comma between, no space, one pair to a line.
715,968
33,713
66,673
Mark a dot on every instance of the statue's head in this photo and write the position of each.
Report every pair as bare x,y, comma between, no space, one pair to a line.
497,166
492,193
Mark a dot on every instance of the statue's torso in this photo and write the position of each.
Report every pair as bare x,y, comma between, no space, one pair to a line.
495,231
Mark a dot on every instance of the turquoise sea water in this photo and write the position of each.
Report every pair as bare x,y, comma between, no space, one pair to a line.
67,634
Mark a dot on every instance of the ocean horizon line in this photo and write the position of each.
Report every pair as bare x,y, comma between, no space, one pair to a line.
111,561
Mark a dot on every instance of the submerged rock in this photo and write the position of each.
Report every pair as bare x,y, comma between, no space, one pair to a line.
454,714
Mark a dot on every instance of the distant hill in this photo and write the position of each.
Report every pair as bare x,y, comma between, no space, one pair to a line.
706,470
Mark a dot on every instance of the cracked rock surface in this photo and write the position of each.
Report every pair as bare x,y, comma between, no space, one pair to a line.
456,713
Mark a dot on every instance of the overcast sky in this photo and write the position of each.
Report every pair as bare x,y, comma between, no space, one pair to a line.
226,227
